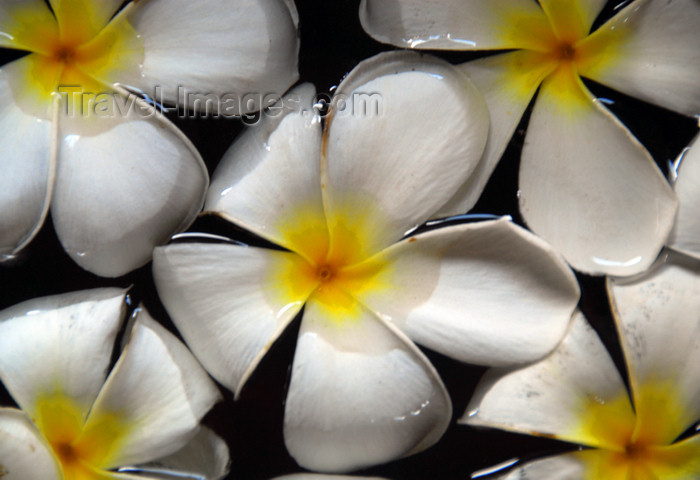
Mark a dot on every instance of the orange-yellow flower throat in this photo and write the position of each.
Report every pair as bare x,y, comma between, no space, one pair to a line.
330,264
75,48
82,449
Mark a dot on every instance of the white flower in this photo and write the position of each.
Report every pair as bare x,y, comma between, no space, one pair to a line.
340,198
119,177
76,425
587,186
577,395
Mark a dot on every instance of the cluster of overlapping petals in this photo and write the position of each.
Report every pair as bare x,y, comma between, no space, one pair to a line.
351,211
75,422
614,209
117,176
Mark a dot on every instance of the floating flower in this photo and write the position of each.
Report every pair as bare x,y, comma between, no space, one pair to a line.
576,394
118,176
74,424
686,235
342,199
587,186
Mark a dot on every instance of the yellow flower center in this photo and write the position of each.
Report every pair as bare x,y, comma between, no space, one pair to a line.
634,441
332,265
73,49
565,52
82,449
556,49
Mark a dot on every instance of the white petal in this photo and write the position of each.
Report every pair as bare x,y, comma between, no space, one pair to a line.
205,457
271,169
23,451
560,467
27,168
658,317
360,393
453,24
686,235
508,88
595,193
651,51
235,50
489,293
558,396
126,181
160,392
226,303
59,344
384,171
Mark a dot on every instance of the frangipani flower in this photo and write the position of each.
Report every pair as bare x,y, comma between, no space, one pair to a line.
340,199
587,186
577,395
686,235
74,424
118,176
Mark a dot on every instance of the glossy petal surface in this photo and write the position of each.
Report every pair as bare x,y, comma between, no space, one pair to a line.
115,200
241,49
160,390
561,467
598,226
206,456
508,88
27,168
227,303
383,172
686,235
487,293
652,52
360,393
23,452
658,317
453,24
569,395
44,344
271,169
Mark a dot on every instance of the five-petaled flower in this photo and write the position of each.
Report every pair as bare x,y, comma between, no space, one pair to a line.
577,395
120,178
587,186
342,199
74,424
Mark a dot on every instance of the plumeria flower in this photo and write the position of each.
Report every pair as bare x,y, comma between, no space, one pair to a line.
587,186
76,425
576,394
686,235
118,176
342,200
